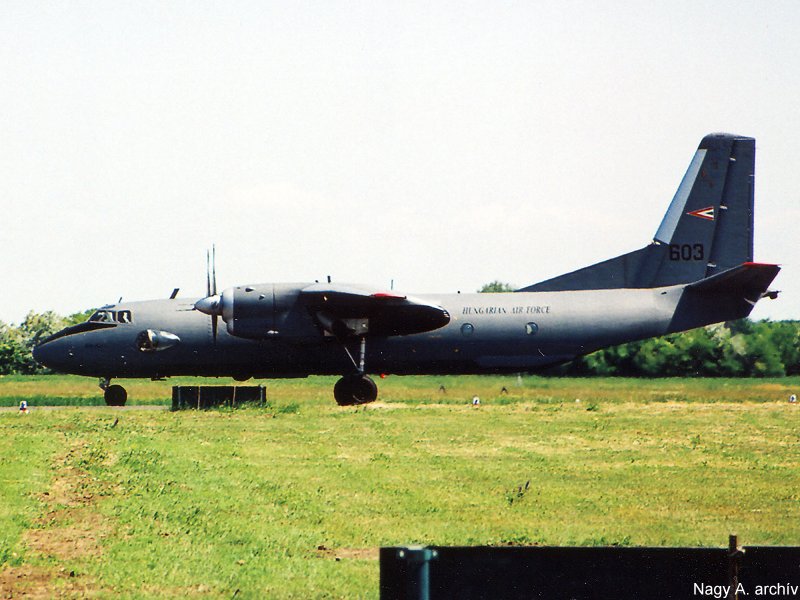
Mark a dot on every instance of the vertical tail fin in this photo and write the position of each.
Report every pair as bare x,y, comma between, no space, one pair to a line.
709,225
707,229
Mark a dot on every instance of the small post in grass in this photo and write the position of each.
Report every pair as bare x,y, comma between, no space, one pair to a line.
734,557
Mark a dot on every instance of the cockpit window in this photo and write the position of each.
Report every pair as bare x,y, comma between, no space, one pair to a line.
112,316
103,316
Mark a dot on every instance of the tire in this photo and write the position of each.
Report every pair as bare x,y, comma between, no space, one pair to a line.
115,395
355,389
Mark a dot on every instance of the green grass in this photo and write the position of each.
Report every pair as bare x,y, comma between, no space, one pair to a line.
25,455
263,501
60,390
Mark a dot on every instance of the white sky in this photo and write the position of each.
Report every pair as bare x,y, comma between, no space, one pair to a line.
439,144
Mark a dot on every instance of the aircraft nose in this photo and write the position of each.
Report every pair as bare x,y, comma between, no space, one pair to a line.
52,354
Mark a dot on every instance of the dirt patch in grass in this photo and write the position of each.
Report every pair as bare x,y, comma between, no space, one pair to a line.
70,529
34,582
74,535
342,553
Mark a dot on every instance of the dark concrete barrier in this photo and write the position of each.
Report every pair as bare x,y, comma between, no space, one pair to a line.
211,396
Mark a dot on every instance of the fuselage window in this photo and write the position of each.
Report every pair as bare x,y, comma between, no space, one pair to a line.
531,328
103,316
112,316
467,329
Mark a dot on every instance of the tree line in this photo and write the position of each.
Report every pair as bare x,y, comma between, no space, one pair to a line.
741,348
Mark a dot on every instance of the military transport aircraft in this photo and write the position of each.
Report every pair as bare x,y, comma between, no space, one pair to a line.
697,270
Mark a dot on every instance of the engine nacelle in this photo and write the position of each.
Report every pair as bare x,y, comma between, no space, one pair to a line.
301,312
268,310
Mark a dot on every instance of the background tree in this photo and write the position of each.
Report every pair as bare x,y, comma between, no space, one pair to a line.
784,336
738,349
13,353
496,286
78,317
35,328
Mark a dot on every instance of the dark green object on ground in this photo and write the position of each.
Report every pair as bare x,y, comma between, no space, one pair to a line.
207,396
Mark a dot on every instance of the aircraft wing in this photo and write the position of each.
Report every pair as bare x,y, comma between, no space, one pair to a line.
345,310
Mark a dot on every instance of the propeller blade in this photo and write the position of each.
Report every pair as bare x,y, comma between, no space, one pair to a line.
211,304
208,274
213,270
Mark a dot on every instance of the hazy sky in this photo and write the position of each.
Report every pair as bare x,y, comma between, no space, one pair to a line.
439,144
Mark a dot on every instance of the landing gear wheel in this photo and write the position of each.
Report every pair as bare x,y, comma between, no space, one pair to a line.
355,389
115,395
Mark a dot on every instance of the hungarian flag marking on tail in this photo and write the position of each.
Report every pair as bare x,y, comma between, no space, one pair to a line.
703,213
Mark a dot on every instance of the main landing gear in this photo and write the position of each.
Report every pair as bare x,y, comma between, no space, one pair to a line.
114,395
357,388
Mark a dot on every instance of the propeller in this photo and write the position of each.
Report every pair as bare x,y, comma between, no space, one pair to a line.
212,303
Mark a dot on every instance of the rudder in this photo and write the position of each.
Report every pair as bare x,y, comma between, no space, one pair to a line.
708,227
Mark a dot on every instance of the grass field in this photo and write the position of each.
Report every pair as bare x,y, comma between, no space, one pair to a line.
293,500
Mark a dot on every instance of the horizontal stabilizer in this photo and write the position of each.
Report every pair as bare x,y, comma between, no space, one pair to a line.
749,279
726,296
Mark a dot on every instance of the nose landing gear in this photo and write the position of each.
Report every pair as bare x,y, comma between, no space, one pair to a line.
114,395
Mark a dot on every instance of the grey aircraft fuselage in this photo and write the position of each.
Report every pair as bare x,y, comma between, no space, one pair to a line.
487,333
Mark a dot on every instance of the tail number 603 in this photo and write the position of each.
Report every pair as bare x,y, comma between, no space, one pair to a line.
687,252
